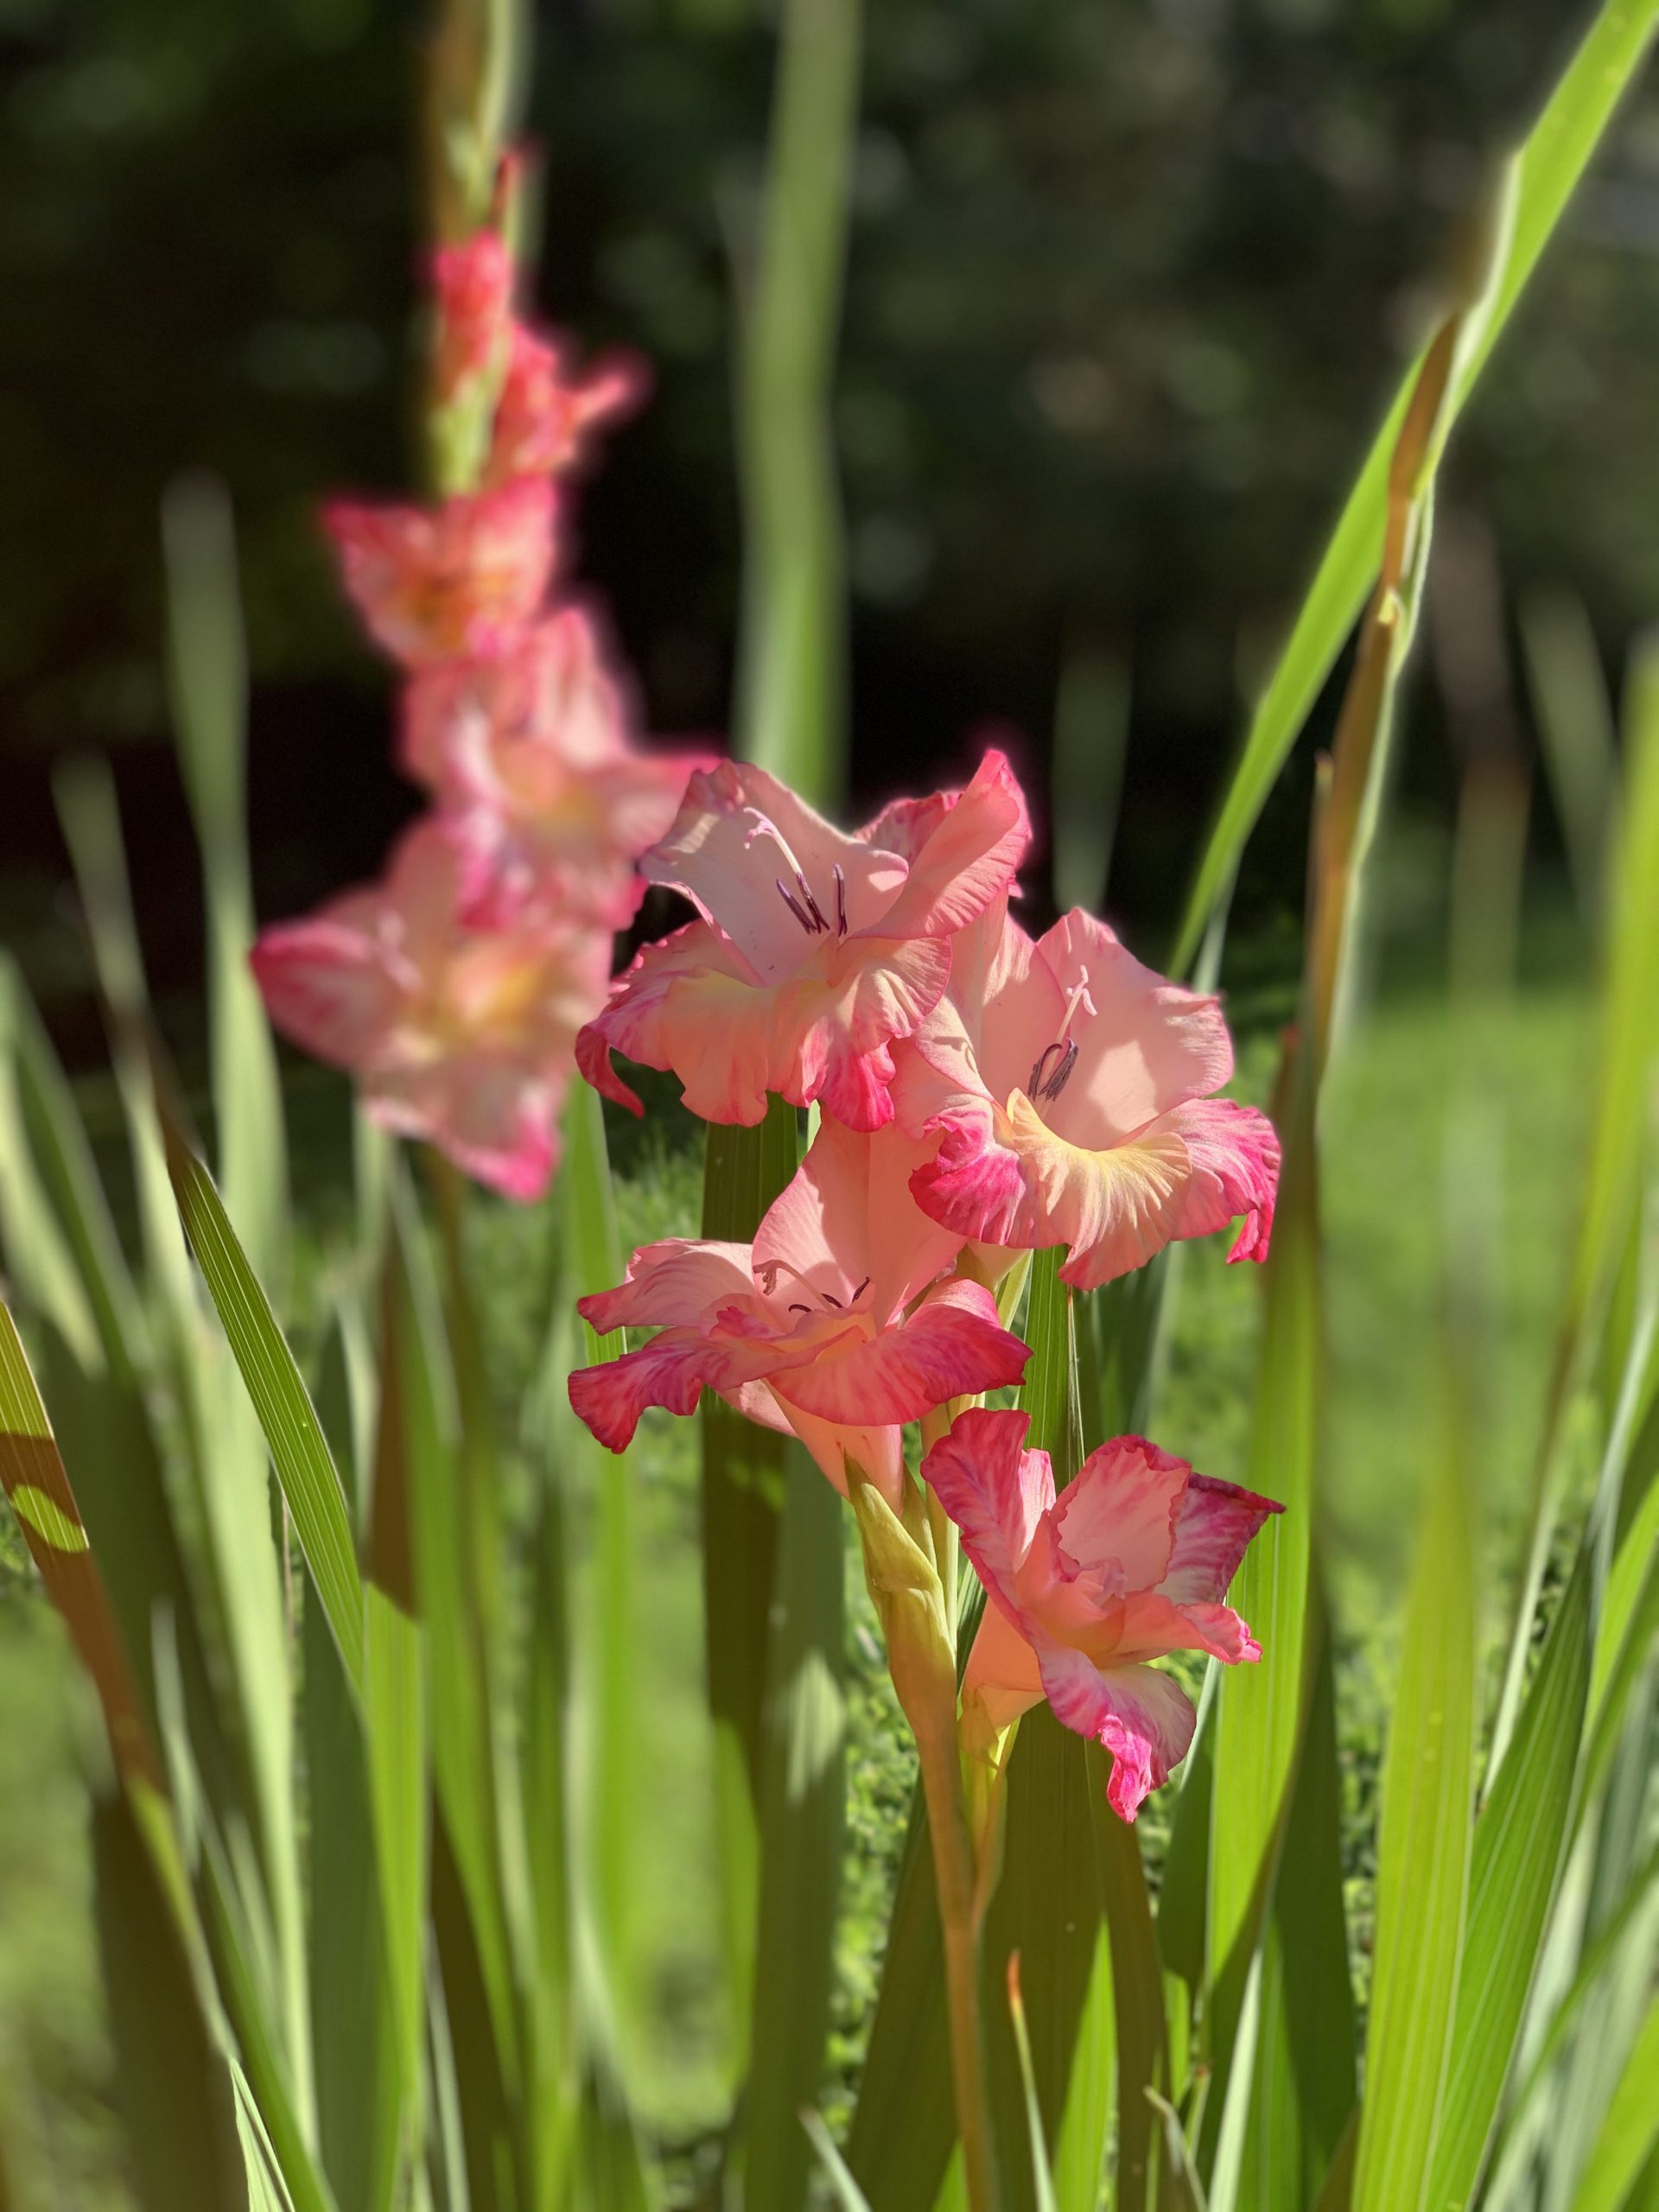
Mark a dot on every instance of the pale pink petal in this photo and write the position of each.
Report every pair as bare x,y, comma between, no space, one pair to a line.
674,1281
690,1005
847,1221
1118,1512
543,419
1150,1627
739,834
1144,1719
1146,1047
1213,1528
877,1450
1001,1671
953,1346
496,1118
905,825
997,1492
454,580
969,861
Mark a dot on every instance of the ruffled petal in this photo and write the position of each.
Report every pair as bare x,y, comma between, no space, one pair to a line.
1213,1530
669,1371
1002,1675
328,988
1144,1719
458,580
847,1222
997,1492
1150,1627
1117,1515
1234,1153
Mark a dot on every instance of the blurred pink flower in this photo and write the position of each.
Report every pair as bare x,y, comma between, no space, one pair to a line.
549,801
816,952
1130,1562
461,1037
1070,1088
543,421
833,1323
472,288
460,579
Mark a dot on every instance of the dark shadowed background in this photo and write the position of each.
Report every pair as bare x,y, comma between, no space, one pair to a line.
1130,286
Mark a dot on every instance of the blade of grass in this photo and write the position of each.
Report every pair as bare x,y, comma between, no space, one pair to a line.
1575,719
1042,2182
1630,2129
208,666
791,708
1424,1852
1092,737
1550,163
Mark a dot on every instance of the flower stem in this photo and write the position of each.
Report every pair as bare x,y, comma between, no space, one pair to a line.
955,1877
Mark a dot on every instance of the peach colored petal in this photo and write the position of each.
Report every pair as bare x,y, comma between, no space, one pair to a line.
455,580
1149,1045
968,861
953,1346
544,419
674,1281
847,1220
472,286
1001,1671
997,1494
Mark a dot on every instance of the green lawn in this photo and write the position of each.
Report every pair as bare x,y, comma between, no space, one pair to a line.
1383,1207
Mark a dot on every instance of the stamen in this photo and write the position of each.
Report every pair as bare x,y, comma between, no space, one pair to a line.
815,910
766,827
798,1308
797,909
1062,1074
1040,1069
830,1298
841,901
860,1292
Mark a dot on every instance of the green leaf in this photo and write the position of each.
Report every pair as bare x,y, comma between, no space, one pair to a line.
1551,162
849,2196
1518,1847
1630,2129
1091,735
1424,1854
1042,2181
791,710
299,1450
1137,1988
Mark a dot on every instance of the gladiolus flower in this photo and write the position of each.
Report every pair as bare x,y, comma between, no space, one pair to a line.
1130,1562
816,952
447,582
543,421
461,1037
834,1323
1070,1088
549,803
472,285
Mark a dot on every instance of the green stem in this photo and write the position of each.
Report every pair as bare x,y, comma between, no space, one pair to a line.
955,1874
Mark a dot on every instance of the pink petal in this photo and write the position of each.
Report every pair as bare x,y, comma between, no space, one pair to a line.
495,1118
878,1450
738,835
1150,1627
676,1280
1144,1719
543,420
326,986
472,285
847,1221
1118,1512
951,1346
1213,1527
997,1492
969,861
1148,1046
669,1371
1234,1152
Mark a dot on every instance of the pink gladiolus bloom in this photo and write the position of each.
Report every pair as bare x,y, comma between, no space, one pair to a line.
1071,1090
461,1037
549,802
1131,1561
440,583
816,952
471,284
543,421
833,1323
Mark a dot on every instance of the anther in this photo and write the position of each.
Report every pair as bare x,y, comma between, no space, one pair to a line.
813,907
860,1292
1062,1074
841,901
797,909
830,1298
798,1308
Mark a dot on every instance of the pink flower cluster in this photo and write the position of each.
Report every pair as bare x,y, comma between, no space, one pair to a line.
983,1094
456,986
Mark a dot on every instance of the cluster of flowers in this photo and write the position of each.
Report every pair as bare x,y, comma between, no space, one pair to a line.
981,1095
455,985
